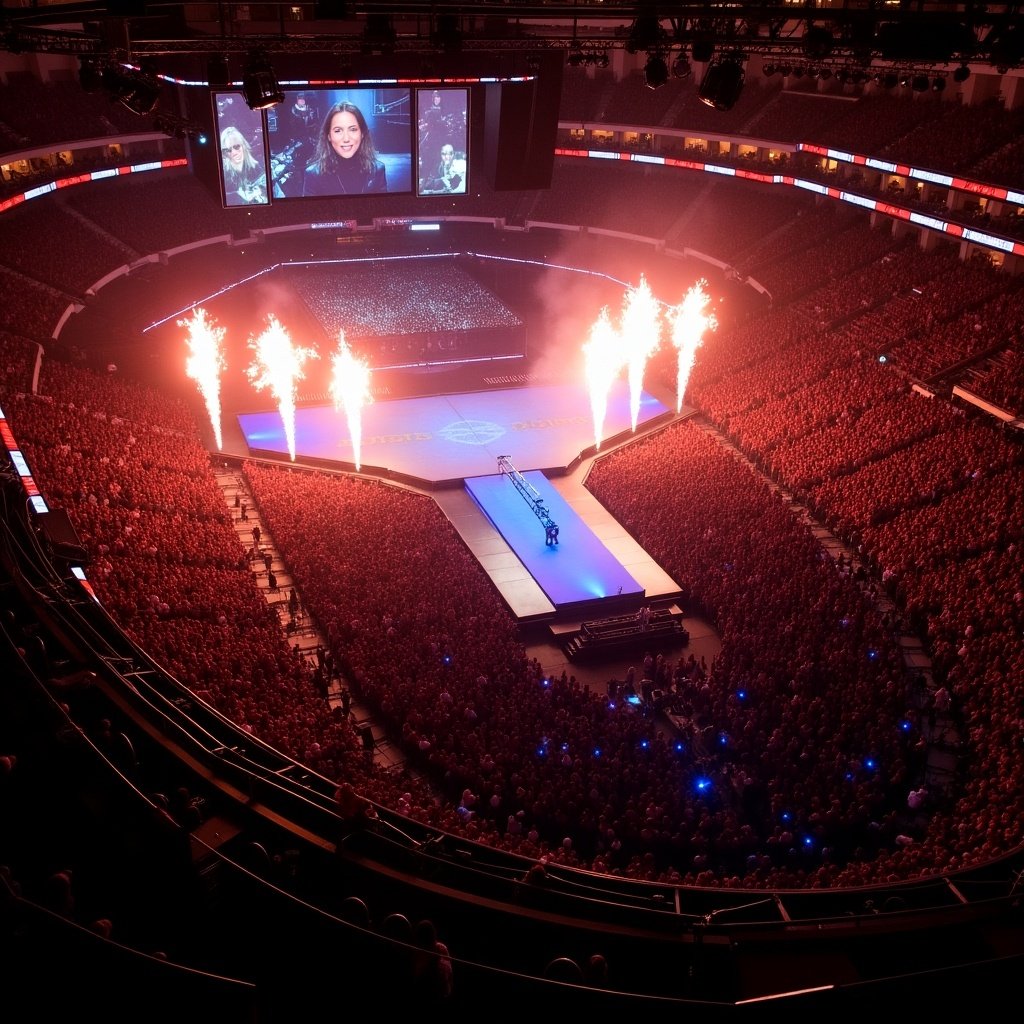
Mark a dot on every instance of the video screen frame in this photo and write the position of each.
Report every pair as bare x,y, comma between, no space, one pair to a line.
442,141
243,170
333,141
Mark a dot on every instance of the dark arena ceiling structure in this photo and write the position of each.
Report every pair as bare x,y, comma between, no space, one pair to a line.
864,33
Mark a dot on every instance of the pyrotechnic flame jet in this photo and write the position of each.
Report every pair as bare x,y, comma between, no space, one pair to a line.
604,357
350,389
278,365
205,363
640,328
689,322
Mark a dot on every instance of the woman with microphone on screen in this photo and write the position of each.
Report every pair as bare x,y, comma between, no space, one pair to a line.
345,162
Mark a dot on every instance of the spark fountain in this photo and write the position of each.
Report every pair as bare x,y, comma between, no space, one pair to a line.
279,366
604,359
688,322
205,363
350,389
640,330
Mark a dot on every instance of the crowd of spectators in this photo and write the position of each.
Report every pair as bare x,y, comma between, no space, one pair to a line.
18,356
798,116
1002,166
153,215
644,201
30,308
959,139
811,763
928,495
728,217
916,309
58,249
979,329
876,119
127,465
1001,380
537,764
392,298
845,246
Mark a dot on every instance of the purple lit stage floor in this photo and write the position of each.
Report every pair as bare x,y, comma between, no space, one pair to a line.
449,437
576,570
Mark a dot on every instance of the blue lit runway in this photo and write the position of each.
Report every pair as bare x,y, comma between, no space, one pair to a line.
579,568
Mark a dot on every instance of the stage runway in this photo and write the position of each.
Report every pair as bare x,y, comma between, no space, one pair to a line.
449,444
577,570
442,439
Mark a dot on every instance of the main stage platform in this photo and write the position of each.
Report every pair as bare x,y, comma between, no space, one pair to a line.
439,440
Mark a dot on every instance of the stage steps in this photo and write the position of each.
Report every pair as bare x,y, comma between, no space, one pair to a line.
647,629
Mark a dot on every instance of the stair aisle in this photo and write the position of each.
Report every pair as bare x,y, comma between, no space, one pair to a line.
268,567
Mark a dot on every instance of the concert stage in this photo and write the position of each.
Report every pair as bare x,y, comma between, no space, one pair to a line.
449,444
440,440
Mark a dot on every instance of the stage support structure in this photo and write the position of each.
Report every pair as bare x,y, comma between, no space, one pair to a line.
531,496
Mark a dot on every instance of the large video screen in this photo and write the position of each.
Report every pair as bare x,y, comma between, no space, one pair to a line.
243,158
442,141
339,141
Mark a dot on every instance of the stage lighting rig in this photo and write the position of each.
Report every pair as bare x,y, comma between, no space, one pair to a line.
655,71
723,82
259,83
137,90
681,66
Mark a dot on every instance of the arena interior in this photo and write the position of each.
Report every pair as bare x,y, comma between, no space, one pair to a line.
306,707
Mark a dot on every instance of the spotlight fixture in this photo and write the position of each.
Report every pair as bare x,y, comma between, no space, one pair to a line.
890,80
938,84
259,83
655,71
681,66
961,74
769,70
919,83
722,83
785,70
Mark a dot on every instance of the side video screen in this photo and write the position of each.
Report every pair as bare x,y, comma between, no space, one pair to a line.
350,140
243,158
442,136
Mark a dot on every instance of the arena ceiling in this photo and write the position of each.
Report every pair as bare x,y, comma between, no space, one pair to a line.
861,32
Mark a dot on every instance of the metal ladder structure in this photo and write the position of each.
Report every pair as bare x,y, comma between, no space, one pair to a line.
531,496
